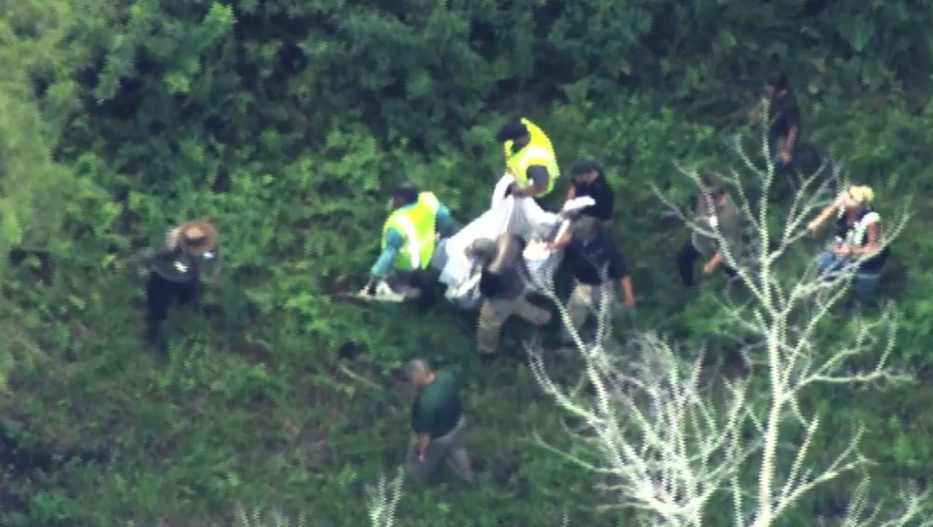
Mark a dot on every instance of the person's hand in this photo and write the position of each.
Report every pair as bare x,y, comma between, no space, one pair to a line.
812,227
630,302
842,250
710,266
786,156
421,457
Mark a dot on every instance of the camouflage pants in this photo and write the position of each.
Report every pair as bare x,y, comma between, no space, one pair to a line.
584,301
448,448
494,313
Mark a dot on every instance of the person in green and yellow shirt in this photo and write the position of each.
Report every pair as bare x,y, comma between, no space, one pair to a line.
529,158
409,238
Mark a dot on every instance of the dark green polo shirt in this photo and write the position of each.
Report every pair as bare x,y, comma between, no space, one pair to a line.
437,409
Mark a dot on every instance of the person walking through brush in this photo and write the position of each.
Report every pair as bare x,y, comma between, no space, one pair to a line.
409,240
784,119
504,288
177,270
529,158
714,211
437,424
596,264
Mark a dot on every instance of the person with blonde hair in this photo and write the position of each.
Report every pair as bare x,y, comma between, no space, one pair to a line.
858,238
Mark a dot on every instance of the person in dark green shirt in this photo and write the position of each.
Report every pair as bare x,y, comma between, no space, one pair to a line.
437,423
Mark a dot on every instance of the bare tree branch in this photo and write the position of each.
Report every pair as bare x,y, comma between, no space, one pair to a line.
671,441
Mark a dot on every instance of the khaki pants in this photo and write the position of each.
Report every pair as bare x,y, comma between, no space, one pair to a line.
448,448
494,313
584,301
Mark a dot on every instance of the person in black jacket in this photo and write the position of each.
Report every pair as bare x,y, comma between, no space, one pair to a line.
784,119
596,264
589,180
176,271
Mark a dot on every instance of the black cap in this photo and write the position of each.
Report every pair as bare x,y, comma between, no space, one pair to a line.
511,130
406,193
587,166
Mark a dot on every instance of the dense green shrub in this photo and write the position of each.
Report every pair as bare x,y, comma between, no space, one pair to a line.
285,123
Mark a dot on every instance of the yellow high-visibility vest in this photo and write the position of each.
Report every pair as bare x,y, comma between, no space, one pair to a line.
538,151
417,225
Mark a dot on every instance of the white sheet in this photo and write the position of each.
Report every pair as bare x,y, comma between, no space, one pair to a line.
520,216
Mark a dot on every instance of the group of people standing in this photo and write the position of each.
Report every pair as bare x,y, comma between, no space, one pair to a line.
596,263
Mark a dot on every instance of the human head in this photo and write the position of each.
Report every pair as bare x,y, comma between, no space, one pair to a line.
586,171
419,372
857,197
778,83
404,194
585,229
483,250
197,237
515,131
712,185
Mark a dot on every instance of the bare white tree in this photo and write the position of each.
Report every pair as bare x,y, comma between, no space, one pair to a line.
669,442
381,503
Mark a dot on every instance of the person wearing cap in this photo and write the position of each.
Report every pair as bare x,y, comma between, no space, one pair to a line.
177,270
529,158
504,287
409,239
596,263
858,238
589,180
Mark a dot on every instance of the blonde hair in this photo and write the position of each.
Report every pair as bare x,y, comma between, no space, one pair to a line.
862,194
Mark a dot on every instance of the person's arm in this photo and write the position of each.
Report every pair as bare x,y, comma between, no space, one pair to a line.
609,200
214,267
421,444
420,430
826,213
446,225
618,272
793,121
730,229
571,193
383,265
540,179
874,241
563,241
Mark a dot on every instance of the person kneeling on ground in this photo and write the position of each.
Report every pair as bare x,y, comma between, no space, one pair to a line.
504,287
595,262
437,424
409,240
176,271
714,210
858,235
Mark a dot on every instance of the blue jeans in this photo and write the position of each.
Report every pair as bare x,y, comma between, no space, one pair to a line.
830,263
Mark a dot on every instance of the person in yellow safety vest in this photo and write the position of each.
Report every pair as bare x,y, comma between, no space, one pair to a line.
529,158
408,238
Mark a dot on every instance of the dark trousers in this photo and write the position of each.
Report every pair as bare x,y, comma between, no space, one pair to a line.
687,259
161,294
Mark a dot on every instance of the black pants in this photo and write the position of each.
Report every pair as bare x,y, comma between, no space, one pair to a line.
686,261
161,294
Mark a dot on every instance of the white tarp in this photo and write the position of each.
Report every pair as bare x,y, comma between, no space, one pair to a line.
521,216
